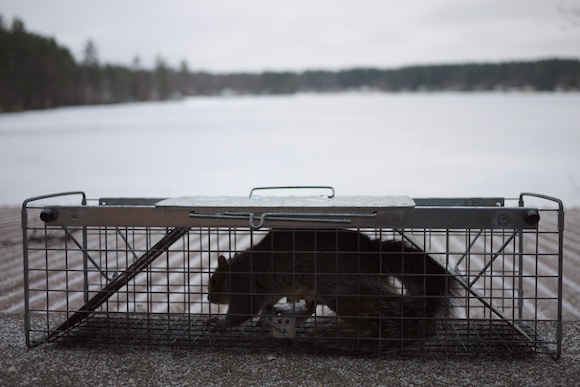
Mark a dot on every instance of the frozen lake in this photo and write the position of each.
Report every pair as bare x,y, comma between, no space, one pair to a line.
421,145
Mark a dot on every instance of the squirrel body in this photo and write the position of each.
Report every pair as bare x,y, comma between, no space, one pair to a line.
387,290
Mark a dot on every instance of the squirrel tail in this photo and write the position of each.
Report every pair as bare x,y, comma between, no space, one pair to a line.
398,311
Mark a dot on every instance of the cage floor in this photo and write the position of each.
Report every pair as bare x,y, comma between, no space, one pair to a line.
458,337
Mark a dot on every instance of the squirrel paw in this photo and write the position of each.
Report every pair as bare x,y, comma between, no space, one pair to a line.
218,324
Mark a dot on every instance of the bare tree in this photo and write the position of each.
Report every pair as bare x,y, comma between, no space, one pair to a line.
571,12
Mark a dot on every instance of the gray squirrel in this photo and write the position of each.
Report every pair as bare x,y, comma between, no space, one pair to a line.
353,275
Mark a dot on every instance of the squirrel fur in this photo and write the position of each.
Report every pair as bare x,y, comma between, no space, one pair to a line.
386,294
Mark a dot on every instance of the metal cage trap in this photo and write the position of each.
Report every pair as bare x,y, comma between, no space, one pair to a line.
319,269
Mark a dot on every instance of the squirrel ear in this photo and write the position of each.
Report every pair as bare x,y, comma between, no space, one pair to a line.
223,263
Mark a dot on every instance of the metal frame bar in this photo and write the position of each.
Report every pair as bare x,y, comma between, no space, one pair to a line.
417,217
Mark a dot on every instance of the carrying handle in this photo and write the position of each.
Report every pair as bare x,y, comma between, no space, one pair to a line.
296,187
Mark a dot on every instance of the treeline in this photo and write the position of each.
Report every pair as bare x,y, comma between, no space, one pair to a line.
37,73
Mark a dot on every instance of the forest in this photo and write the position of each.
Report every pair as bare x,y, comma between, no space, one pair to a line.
38,73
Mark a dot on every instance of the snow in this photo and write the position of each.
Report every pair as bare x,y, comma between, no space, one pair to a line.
416,145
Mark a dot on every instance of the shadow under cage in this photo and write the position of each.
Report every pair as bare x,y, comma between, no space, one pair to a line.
355,273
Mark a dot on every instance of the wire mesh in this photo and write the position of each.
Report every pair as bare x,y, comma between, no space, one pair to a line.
149,285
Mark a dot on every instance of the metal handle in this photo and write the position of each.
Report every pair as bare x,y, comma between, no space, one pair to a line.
296,187
340,218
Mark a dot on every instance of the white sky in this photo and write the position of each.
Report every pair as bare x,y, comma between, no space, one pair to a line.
257,35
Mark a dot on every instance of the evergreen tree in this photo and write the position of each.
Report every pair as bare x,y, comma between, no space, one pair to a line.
36,72
161,74
90,74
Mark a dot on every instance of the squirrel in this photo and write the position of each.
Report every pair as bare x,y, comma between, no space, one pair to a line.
386,294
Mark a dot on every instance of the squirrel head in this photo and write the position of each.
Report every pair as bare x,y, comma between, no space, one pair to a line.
219,283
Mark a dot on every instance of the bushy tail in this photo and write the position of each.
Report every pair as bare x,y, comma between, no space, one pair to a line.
397,309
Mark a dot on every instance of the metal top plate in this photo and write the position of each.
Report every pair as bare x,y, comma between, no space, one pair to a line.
310,202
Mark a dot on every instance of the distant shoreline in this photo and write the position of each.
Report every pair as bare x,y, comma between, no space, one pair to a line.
39,73
509,91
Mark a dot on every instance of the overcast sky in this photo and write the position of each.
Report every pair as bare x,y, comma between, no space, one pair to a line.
257,35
